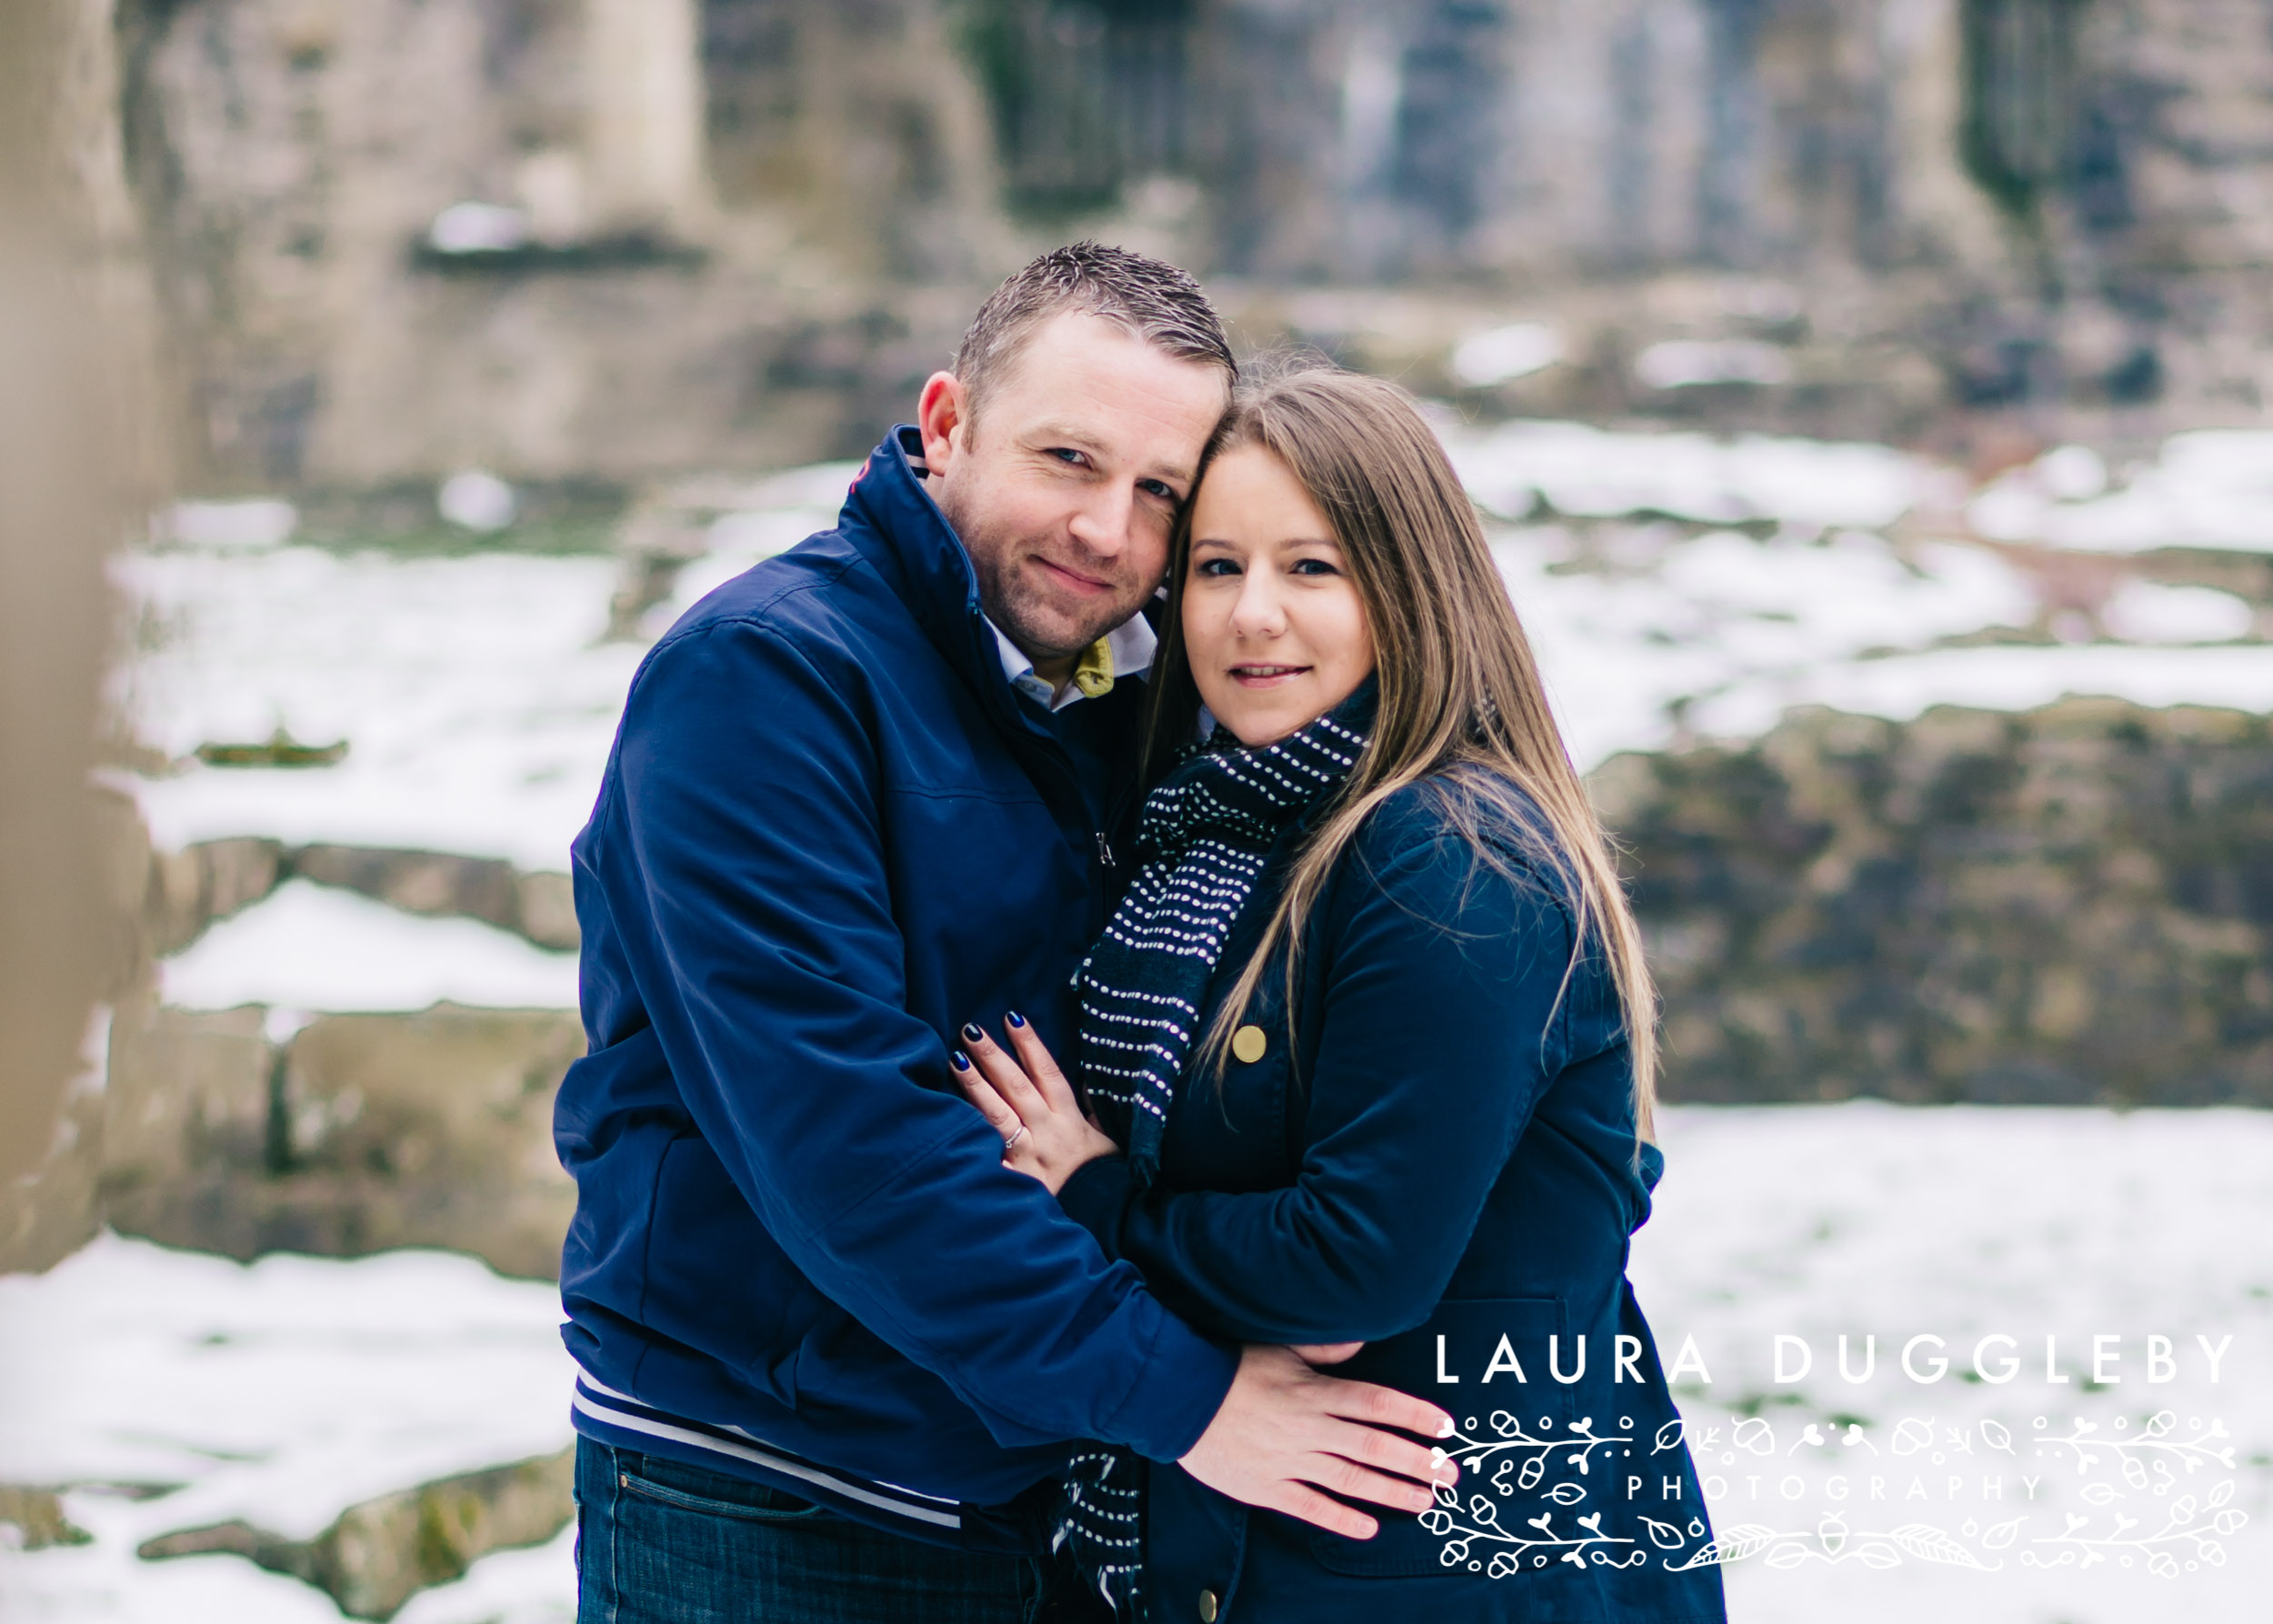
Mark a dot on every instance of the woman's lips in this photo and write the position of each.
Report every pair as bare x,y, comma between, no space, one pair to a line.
1266,676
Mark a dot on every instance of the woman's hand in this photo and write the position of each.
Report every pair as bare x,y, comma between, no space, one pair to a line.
1044,1132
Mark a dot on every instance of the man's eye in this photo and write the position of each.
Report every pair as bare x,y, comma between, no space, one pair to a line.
1154,488
1068,455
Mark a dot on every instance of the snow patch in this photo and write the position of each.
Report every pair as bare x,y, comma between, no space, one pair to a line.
1682,363
1502,355
282,1391
2211,487
307,947
1902,689
477,500
252,524
2149,612
475,697
1621,649
1588,471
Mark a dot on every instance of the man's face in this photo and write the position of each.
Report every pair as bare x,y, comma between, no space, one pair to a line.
1064,491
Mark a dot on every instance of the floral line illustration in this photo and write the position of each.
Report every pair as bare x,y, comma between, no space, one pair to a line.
1462,1530
2199,1544
1832,1542
2147,1460
2179,1545
2086,1438
1528,1456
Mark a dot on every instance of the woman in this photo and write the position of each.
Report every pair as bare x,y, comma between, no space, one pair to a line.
1367,1054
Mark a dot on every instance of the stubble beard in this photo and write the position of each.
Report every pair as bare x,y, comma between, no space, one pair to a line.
1028,614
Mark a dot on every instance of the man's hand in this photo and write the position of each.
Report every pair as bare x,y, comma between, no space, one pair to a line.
1284,1432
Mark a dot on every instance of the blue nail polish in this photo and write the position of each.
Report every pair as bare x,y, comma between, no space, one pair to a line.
971,1034
1015,1019
956,1058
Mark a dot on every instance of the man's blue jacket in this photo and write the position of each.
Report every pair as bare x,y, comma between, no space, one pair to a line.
830,833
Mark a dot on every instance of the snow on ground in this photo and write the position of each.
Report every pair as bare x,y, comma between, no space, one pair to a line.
1873,1219
282,1393
287,1391
2211,487
535,1586
1623,646
1998,679
2149,612
757,520
310,946
1583,471
473,694
478,702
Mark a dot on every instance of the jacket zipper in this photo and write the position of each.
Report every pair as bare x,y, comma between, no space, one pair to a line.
1036,746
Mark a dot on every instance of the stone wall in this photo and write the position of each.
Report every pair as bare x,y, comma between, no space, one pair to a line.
1980,222
354,1134
2068,906
250,1130
293,158
1949,219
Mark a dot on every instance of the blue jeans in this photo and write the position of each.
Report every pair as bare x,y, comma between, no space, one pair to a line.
662,1542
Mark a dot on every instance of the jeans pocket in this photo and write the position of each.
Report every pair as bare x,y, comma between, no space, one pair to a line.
743,1501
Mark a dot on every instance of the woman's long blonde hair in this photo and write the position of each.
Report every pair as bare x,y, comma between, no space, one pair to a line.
1460,697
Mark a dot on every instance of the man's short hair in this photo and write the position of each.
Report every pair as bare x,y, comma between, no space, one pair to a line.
1149,299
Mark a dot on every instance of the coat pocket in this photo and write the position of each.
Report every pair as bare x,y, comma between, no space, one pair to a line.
1508,1369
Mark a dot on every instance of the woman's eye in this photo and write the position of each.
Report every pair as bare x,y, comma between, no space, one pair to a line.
1314,567
1215,567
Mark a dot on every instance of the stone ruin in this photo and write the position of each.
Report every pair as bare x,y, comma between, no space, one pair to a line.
587,245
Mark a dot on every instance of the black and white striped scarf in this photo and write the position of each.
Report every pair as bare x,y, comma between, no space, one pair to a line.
1201,843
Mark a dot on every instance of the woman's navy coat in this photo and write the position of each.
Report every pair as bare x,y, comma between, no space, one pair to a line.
1443,1166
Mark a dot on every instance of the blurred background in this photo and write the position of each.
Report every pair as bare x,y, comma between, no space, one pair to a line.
1868,400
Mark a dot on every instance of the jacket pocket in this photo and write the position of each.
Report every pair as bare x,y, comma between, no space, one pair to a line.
1508,1370
751,1326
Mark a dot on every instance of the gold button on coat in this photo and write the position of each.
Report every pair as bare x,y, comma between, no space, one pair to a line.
1208,1597
1246,1045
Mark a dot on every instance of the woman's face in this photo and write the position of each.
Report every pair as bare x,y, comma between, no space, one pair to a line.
1273,625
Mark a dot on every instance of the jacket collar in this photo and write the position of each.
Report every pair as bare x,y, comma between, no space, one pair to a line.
1124,651
893,522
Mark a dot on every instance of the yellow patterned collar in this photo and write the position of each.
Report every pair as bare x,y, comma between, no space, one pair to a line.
1093,672
1126,651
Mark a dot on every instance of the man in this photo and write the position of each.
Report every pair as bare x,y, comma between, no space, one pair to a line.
832,1350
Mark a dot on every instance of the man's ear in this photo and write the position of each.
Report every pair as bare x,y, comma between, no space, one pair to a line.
943,418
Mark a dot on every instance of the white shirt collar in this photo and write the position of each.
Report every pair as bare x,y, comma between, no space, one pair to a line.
1130,644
